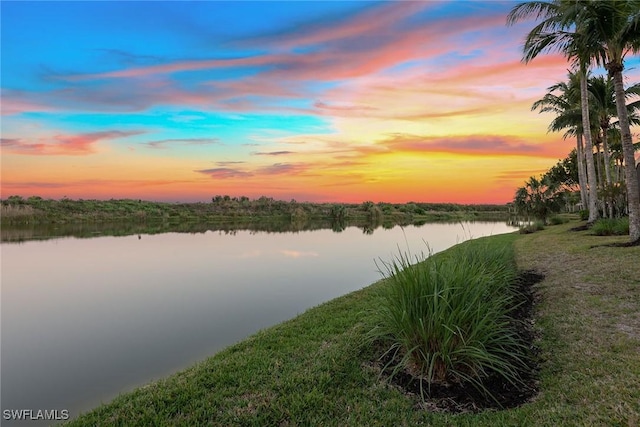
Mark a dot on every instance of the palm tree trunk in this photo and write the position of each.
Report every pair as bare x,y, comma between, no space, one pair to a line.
607,169
631,174
607,157
598,161
582,175
620,171
602,203
591,169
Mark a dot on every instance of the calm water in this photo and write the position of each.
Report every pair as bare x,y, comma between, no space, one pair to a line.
84,320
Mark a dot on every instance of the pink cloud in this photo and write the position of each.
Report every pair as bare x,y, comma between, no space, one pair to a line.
372,20
273,153
364,54
344,110
288,169
284,169
462,144
224,173
17,102
163,143
80,144
362,48
345,49
124,184
180,66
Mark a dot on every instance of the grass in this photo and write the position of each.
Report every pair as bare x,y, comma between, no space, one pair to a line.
611,227
447,318
316,368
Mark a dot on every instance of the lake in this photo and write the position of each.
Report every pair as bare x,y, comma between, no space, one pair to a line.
85,319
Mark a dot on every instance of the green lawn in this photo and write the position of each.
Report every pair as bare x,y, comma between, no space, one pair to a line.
317,369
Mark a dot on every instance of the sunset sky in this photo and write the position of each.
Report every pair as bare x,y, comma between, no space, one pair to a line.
316,101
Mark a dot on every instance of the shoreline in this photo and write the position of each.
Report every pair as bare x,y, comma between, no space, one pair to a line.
16,210
310,369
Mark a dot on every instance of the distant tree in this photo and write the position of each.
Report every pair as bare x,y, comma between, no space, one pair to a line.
538,198
564,174
338,213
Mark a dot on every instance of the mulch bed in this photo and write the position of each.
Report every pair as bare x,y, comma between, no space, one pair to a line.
465,398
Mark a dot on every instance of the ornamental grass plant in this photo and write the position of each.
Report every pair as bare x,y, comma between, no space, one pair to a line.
611,227
447,318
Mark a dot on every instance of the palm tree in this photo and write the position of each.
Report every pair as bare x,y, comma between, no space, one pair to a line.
613,30
604,100
602,95
558,32
566,105
538,197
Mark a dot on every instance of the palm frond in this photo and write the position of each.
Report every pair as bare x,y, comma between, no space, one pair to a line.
532,9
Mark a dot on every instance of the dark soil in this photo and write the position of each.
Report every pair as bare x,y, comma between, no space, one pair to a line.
461,397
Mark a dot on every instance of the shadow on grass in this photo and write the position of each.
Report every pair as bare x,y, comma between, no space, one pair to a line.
617,244
583,227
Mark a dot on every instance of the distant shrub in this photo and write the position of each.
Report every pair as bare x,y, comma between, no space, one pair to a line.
16,211
584,214
611,227
557,220
532,228
446,318
298,214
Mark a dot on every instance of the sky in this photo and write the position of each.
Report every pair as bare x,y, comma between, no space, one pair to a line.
324,101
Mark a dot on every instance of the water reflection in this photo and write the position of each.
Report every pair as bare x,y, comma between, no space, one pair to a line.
18,233
86,319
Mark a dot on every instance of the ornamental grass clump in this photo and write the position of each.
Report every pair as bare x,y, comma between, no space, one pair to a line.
447,318
611,227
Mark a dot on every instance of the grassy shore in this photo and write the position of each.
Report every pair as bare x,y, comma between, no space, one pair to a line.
317,369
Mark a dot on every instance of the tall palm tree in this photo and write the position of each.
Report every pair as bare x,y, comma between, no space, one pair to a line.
613,29
603,99
558,32
563,99
601,90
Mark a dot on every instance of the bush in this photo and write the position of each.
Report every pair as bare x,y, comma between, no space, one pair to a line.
532,228
584,214
557,220
611,227
446,318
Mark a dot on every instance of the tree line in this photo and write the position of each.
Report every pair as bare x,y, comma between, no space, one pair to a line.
595,109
